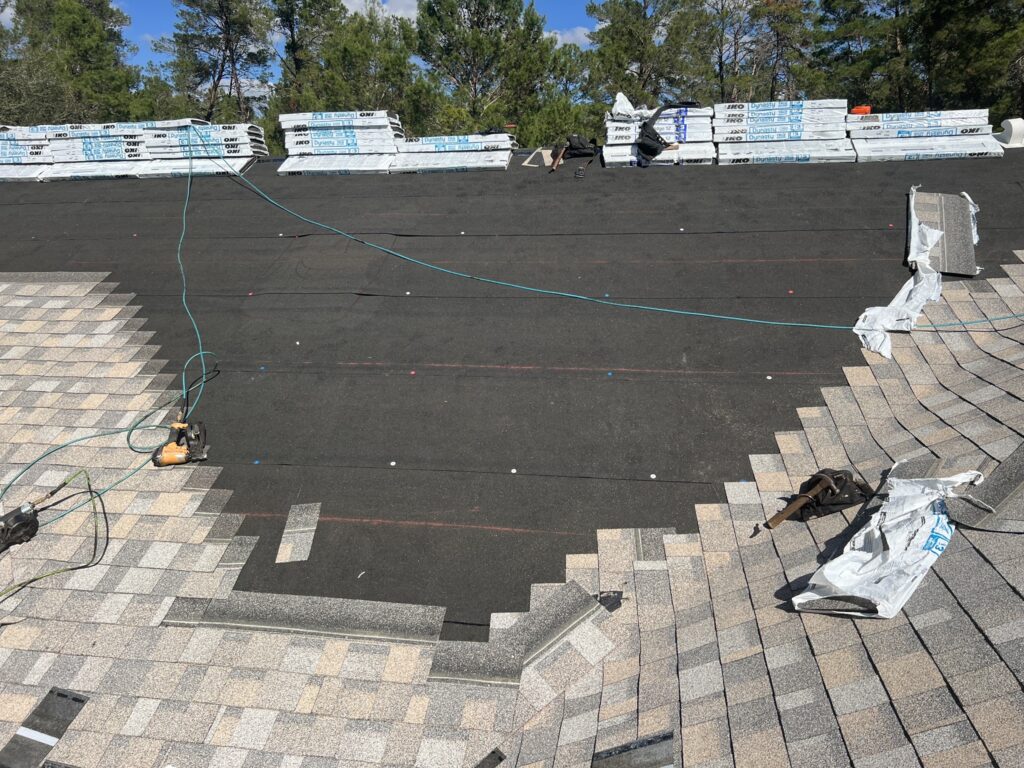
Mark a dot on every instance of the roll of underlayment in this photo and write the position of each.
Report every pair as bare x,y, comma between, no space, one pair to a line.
1012,135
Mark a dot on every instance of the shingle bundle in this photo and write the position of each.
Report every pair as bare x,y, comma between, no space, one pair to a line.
136,150
340,142
23,153
782,132
469,152
923,135
374,142
688,129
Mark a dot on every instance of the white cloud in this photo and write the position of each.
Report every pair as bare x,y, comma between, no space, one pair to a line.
7,16
577,35
404,8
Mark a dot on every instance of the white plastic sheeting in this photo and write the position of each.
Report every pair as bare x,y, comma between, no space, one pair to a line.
924,286
885,561
622,109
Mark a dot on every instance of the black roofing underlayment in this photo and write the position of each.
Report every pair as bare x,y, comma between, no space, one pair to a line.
318,339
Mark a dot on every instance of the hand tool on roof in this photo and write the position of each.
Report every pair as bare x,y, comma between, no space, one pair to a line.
827,491
186,443
802,500
558,159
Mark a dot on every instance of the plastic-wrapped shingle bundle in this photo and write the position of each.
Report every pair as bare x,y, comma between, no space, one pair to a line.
446,154
130,150
340,142
23,153
782,132
688,129
374,142
923,135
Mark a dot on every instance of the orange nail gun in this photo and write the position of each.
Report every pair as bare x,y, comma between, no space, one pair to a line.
187,443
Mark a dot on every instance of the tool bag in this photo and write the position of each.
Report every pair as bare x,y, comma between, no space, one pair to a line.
885,561
580,147
849,492
649,143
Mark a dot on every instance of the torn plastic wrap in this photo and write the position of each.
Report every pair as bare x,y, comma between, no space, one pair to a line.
887,559
622,108
924,286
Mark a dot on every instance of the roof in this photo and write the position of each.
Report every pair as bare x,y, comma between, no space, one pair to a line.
699,646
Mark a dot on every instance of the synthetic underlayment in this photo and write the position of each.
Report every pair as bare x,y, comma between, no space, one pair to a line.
319,340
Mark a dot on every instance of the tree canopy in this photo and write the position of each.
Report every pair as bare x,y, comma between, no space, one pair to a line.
470,65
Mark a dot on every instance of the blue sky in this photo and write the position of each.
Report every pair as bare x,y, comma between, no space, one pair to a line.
154,18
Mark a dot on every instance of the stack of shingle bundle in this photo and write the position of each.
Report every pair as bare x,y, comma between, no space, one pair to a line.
688,129
96,143
923,135
340,142
782,132
446,154
173,144
24,153
133,150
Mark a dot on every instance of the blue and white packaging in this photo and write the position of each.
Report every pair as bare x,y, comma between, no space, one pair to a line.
773,152
886,560
935,148
778,107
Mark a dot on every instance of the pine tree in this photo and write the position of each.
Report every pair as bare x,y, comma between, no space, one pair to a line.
490,56
967,49
653,51
221,52
736,58
65,60
784,31
367,61
304,26
357,61
562,107
847,47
